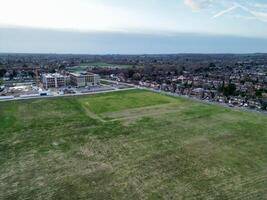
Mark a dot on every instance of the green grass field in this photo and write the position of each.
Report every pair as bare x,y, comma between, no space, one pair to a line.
130,145
85,66
103,64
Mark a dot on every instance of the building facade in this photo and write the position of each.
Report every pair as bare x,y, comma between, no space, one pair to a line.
84,79
54,80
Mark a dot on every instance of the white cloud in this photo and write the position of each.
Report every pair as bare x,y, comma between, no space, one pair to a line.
254,10
66,14
259,15
257,5
198,4
223,12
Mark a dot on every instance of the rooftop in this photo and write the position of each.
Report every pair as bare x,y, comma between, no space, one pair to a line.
82,73
55,75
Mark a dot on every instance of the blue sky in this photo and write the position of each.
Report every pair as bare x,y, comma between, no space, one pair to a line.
169,18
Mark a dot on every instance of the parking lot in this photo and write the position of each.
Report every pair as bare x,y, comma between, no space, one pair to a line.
30,91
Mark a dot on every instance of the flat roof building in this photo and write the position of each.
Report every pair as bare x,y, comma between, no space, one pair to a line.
54,80
84,79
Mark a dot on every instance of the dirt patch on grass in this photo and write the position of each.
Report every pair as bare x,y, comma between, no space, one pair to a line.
132,115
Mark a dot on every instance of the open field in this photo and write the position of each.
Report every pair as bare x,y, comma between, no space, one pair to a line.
130,145
85,66
103,64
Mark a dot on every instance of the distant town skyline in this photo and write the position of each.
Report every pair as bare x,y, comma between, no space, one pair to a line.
169,19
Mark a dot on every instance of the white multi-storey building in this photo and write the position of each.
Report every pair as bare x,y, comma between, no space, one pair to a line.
54,80
84,79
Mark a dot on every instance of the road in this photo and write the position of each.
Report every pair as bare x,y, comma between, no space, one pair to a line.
65,95
132,87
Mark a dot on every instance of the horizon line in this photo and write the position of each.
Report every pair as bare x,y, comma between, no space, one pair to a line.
121,54
170,33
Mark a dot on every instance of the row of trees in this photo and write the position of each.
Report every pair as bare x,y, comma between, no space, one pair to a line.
228,90
2,72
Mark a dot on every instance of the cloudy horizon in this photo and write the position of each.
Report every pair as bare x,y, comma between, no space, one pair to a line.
168,23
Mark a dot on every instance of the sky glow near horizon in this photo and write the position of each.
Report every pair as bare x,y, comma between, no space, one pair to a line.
224,17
